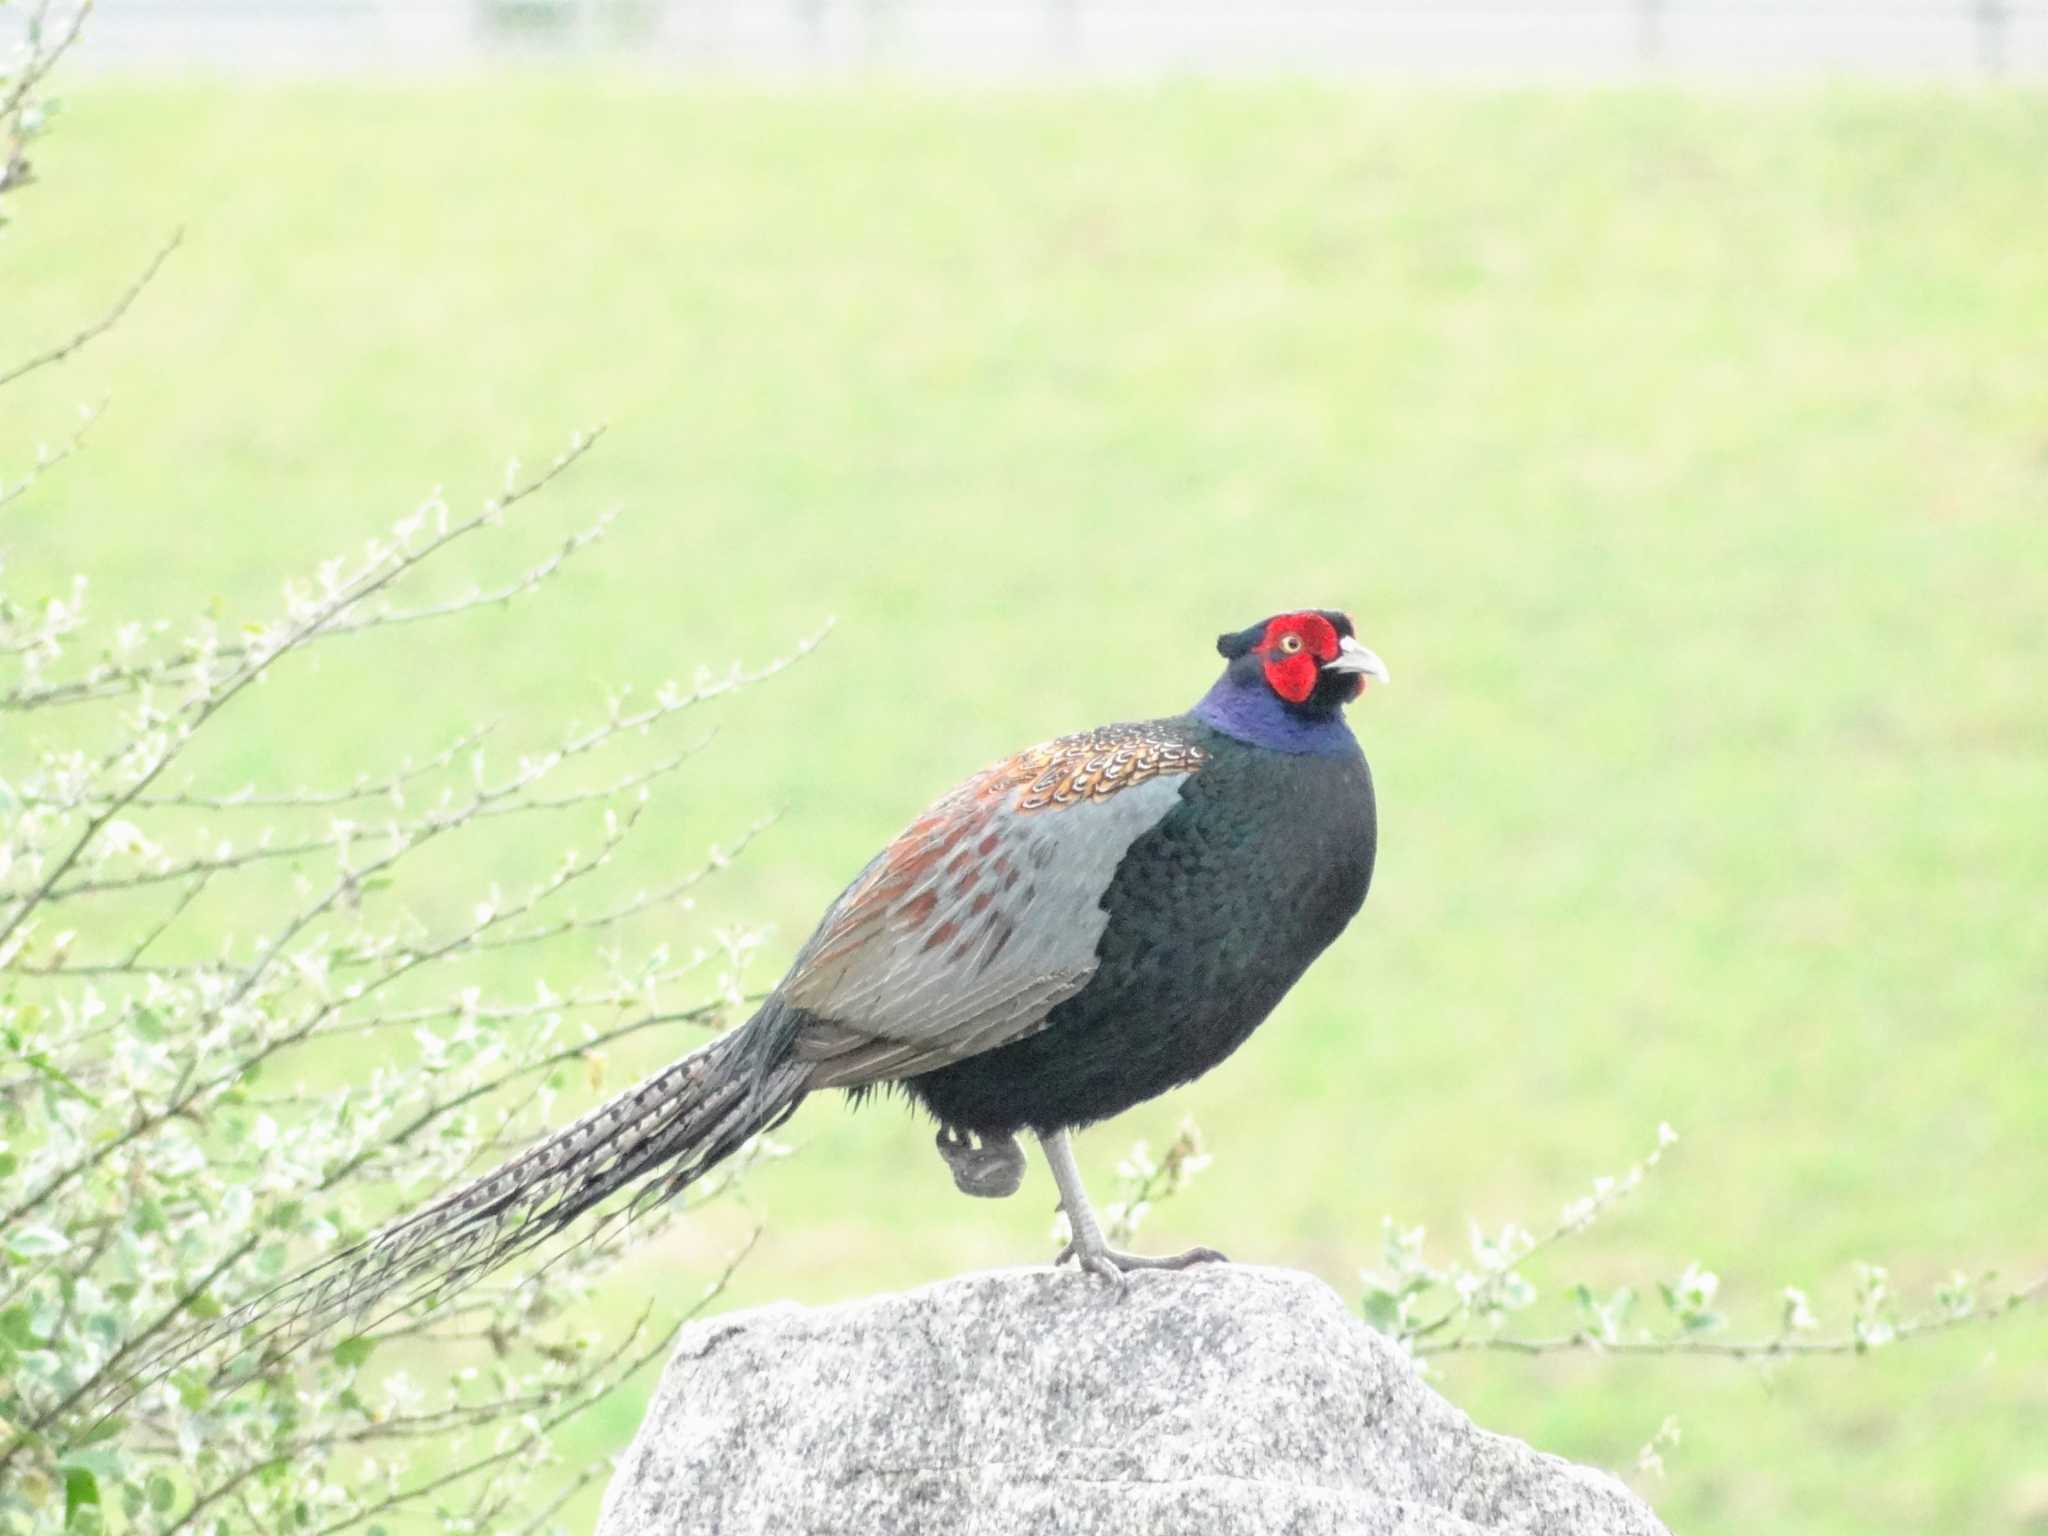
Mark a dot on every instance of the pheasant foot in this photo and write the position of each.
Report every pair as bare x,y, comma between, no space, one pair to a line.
988,1167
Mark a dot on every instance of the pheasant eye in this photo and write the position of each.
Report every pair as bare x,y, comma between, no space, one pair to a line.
1289,644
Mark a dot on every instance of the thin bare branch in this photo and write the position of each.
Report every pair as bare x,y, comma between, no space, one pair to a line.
377,576
646,900
1469,1303
624,1372
390,787
49,460
570,1489
189,1093
15,109
42,60
625,994
1782,1347
190,894
111,680
112,317
350,835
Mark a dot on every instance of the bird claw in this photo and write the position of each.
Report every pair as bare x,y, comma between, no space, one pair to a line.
1114,1265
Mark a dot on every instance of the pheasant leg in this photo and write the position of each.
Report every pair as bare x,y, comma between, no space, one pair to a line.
1087,1247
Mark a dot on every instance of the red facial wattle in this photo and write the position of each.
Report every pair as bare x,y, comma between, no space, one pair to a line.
1292,677
1294,649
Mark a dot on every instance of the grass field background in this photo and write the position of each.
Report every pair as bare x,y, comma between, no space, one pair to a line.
1686,458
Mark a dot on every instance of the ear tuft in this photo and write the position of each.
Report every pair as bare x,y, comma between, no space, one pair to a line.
1230,647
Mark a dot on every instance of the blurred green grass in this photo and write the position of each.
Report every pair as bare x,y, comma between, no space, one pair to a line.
1687,459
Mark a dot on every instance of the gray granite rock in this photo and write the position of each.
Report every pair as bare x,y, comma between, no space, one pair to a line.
1224,1400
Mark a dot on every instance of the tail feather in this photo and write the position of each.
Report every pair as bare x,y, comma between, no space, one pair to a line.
679,1123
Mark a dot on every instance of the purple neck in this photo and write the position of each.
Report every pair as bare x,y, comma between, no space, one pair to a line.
1250,711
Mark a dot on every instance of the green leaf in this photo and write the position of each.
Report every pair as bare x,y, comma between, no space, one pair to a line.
39,1362
355,1351
106,1429
8,1163
81,1491
57,1075
36,1242
161,1491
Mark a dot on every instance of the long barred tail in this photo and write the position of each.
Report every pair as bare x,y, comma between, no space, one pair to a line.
660,1136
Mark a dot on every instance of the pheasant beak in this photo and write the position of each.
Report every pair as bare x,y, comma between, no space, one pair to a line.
1355,658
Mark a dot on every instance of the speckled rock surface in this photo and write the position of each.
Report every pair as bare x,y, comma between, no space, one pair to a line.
1224,1400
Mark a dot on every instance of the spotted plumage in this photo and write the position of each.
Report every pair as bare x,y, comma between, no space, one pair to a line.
1093,765
1069,932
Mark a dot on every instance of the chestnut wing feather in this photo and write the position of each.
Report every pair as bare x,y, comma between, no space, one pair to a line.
985,914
